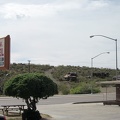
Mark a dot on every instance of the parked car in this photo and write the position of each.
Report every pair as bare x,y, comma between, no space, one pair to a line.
2,117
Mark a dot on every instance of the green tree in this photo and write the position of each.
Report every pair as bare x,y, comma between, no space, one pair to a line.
31,87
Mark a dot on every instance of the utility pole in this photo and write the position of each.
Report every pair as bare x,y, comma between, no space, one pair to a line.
29,65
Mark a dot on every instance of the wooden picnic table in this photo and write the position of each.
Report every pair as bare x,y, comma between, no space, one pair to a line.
7,108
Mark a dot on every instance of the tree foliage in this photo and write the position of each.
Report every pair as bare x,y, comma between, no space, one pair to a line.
31,87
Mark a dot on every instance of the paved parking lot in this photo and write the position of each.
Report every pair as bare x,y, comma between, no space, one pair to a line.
89,111
60,107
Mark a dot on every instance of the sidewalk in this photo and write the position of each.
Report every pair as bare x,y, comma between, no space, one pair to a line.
88,111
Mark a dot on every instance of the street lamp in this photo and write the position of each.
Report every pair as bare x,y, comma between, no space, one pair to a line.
95,57
116,48
92,65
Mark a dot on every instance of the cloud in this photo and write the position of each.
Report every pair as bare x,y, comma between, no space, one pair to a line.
19,11
97,4
13,10
57,31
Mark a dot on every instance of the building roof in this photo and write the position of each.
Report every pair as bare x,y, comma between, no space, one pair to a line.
115,82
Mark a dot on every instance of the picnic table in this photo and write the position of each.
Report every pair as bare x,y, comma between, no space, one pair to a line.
7,108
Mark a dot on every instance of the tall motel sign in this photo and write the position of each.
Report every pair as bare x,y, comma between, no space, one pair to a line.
5,53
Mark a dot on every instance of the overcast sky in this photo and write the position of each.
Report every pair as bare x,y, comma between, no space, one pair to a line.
56,32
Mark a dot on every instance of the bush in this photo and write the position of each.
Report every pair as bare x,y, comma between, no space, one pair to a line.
84,88
63,88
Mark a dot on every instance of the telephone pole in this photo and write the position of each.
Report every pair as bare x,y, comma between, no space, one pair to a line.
29,66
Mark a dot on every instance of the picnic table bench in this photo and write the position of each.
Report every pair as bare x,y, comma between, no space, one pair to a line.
12,108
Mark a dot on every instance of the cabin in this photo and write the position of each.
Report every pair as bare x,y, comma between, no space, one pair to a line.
71,76
100,74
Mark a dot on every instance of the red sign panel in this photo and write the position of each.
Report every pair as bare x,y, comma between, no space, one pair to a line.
5,53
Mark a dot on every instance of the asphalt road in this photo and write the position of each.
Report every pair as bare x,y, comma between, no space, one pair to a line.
60,107
62,99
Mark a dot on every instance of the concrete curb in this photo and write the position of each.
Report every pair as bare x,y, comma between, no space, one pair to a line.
88,102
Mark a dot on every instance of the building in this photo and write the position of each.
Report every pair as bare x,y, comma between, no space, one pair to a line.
71,76
116,83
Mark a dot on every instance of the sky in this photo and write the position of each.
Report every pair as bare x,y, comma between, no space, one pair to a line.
57,32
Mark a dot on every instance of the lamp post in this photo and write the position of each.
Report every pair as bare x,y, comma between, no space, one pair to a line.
115,45
92,65
95,57
29,66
